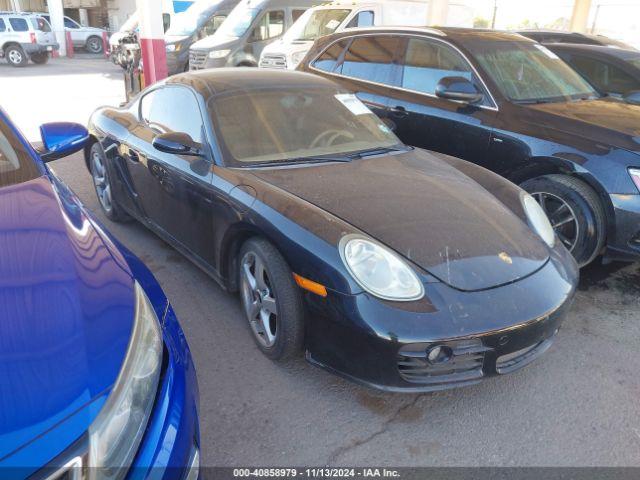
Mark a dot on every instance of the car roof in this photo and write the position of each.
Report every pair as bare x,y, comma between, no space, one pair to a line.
603,49
220,81
454,33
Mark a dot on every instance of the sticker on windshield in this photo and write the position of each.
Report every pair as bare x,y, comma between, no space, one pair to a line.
547,52
332,24
353,103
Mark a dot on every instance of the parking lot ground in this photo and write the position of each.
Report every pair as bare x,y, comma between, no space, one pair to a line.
576,406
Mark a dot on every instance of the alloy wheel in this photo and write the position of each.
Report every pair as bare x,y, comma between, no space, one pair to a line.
94,45
15,56
101,182
259,300
562,217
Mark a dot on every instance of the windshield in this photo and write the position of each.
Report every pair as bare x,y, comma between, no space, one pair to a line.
238,22
183,24
316,23
16,165
530,73
276,125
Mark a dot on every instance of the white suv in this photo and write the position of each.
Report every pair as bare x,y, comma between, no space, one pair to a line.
25,36
89,38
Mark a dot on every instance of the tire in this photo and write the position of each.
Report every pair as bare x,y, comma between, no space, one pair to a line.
94,45
102,182
16,56
279,291
40,58
562,196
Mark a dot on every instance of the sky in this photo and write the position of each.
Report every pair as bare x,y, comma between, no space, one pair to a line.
616,18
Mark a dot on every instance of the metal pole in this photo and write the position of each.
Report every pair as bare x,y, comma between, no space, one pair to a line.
56,14
495,14
154,56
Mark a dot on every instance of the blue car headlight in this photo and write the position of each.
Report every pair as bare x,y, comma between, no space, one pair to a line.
115,434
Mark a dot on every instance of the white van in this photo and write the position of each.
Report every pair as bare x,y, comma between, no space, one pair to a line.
342,14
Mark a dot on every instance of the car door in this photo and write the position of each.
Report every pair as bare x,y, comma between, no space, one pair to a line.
173,190
367,65
424,120
270,26
78,37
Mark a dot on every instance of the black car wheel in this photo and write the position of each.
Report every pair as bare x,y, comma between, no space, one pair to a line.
102,184
94,45
16,56
575,212
40,58
271,300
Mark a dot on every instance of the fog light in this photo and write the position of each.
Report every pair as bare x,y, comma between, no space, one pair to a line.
439,354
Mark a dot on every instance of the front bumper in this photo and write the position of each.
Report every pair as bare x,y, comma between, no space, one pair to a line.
624,235
199,60
385,345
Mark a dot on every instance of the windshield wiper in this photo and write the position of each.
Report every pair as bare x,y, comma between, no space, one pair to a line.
533,101
378,151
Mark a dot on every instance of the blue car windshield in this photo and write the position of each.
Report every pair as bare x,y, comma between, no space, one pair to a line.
16,164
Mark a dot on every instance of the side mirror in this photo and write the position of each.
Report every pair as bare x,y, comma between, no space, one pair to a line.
458,89
633,97
62,139
177,143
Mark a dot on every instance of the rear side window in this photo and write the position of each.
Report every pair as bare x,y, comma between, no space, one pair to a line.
19,24
604,76
427,62
372,58
40,24
330,57
2,26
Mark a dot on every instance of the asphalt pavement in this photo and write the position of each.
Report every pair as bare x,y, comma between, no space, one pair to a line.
578,405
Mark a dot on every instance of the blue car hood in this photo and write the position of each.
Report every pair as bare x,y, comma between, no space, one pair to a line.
66,314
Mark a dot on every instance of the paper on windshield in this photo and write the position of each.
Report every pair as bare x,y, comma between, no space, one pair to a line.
353,103
332,24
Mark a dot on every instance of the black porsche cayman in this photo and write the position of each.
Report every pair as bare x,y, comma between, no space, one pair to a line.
395,267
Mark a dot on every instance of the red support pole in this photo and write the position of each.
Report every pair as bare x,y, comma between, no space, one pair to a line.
69,42
105,44
154,53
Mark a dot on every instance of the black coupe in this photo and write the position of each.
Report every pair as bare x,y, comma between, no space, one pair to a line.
393,266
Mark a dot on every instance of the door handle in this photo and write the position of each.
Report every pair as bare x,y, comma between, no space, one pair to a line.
399,112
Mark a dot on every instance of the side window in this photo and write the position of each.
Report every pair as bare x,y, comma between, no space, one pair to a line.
212,25
427,62
296,14
16,164
604,76
271,25
68,23
173,109
372,58
19,24
362,19
2,26
330,57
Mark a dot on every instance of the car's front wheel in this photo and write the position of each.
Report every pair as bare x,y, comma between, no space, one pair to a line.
271,300
102,184
16,56
94,45
40,58
575,212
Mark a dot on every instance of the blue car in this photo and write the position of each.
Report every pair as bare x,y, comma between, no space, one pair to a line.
95,370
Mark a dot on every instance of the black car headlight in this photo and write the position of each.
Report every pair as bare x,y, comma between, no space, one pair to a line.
378,270
538,220
115,434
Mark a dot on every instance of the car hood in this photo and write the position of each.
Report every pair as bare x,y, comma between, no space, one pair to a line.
214,42
425,210
607,121
67,309
169,39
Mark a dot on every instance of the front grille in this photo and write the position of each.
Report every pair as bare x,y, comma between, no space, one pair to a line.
518,359
273,61
465,363
197,59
